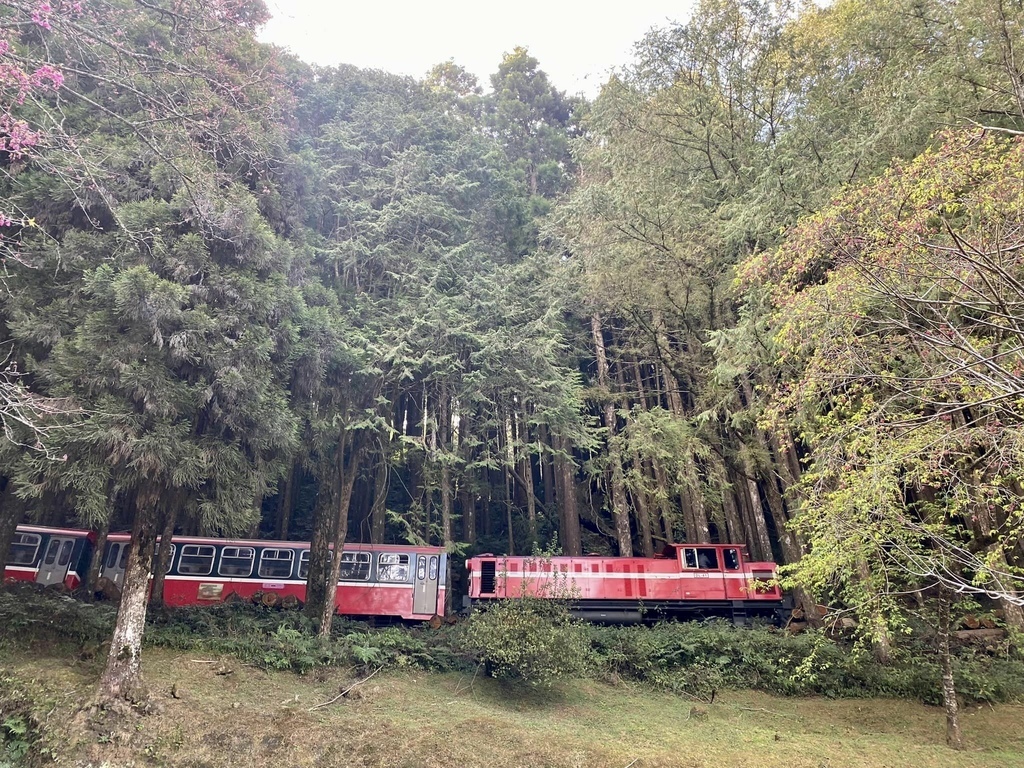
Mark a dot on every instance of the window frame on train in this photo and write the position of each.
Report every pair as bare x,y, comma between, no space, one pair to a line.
358,558
264,560
16,546
237,549
197,554
383,567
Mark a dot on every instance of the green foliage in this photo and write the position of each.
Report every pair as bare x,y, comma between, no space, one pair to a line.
14,741
22,728
700,658
278,640
531,641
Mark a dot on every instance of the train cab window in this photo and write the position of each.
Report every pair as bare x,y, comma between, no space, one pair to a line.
732,559
112,552
24,547
65,553
707,558
170,557
355,566
276,563
51,552
701,558
196,560
392,567
236,561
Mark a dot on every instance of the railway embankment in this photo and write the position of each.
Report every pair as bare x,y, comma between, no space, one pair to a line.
238,685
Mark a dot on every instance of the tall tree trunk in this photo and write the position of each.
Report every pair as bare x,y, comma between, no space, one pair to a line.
636,492
565,477
757,520
320,547
735,533
122,676
12,510
547,471
96,560
286,501
468,510
643,514
447,504
508,511
524,473
620,510
163,552
348,467
664,505
953,735
445,435
984,526
378,511
467,493
672,394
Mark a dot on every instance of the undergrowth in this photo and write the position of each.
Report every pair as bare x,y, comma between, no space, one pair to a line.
692,658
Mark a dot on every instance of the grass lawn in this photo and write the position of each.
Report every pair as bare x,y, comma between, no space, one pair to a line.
215,712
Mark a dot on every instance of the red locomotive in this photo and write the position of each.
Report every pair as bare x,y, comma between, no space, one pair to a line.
405,582
685,581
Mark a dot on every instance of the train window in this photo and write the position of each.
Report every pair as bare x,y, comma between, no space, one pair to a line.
732,559
355,566
196,560
51,552
112,550
236,561
65,553
707,558
156,556
690,557
24,547
124,557
276,563
392,567
304,562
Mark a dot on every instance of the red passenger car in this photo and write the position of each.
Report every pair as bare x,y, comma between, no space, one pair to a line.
686,580
49,556
406,582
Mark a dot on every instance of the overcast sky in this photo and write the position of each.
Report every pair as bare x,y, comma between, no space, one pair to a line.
577,43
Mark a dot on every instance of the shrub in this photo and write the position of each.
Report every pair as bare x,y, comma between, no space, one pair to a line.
532,641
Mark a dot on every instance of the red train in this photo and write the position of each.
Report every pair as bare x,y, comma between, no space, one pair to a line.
684,581
408,582
375,580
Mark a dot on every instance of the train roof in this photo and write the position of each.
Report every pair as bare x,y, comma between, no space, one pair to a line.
279,544
77,532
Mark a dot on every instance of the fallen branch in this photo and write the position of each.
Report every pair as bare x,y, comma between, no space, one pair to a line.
346,691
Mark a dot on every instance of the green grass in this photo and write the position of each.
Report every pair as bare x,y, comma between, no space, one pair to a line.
415,718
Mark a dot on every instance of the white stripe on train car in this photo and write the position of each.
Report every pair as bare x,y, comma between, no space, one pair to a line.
574,575
362,584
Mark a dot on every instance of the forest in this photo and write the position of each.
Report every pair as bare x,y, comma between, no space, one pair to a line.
766,288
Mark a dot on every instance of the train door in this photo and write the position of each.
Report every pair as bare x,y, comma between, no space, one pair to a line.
115,561
53,568
702,573
424,599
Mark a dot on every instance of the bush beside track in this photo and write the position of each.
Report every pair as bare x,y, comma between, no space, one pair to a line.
686,658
